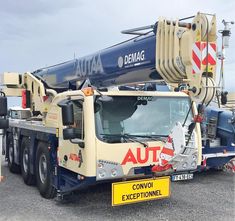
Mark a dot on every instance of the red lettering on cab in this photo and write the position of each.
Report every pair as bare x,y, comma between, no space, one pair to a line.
141,155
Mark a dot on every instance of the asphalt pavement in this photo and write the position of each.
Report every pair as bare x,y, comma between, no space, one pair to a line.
209,196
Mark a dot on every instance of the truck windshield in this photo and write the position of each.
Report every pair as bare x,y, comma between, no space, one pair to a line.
120,117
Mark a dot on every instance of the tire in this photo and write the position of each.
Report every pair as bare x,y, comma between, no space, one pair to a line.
28,178
13,167
44,171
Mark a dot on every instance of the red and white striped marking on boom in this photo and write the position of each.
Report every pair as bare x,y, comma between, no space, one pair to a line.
211,53
200,56
197,56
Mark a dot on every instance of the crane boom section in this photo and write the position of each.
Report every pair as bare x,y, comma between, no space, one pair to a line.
128,62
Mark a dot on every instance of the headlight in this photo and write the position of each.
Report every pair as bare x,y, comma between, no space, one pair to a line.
108,170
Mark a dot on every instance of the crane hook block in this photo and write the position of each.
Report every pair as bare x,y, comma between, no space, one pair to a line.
188,54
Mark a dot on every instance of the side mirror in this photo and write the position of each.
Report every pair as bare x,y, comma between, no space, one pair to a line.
72,133
101,99
67,113
3,104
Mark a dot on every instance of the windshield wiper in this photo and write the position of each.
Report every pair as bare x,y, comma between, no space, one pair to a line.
153,137
131,137
126,136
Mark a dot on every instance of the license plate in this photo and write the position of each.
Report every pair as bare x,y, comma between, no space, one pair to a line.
178,177
140,190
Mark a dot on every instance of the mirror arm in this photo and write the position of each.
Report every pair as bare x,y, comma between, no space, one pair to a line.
78,141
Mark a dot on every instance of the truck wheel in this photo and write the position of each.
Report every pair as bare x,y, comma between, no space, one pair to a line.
13,167
28,178
44,171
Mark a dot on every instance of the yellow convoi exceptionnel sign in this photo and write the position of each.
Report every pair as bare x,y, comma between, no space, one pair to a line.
140,190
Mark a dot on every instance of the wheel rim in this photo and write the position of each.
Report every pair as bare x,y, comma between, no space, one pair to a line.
25,160
43,168
11,154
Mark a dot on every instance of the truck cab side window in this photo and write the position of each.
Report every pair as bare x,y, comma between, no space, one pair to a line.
78,118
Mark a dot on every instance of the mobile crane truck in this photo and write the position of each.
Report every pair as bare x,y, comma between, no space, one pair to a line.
75,130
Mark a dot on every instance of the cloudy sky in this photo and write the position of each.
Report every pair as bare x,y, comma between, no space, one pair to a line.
37,33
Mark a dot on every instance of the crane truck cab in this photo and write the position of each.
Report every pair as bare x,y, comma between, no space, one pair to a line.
87,137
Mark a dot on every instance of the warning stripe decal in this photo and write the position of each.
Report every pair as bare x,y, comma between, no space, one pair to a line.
211,53
196,57
167,152
196,64
200,57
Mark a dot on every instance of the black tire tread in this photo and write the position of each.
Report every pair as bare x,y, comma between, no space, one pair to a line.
29,179
47,191
13,167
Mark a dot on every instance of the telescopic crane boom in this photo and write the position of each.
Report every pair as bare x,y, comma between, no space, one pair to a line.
177,52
